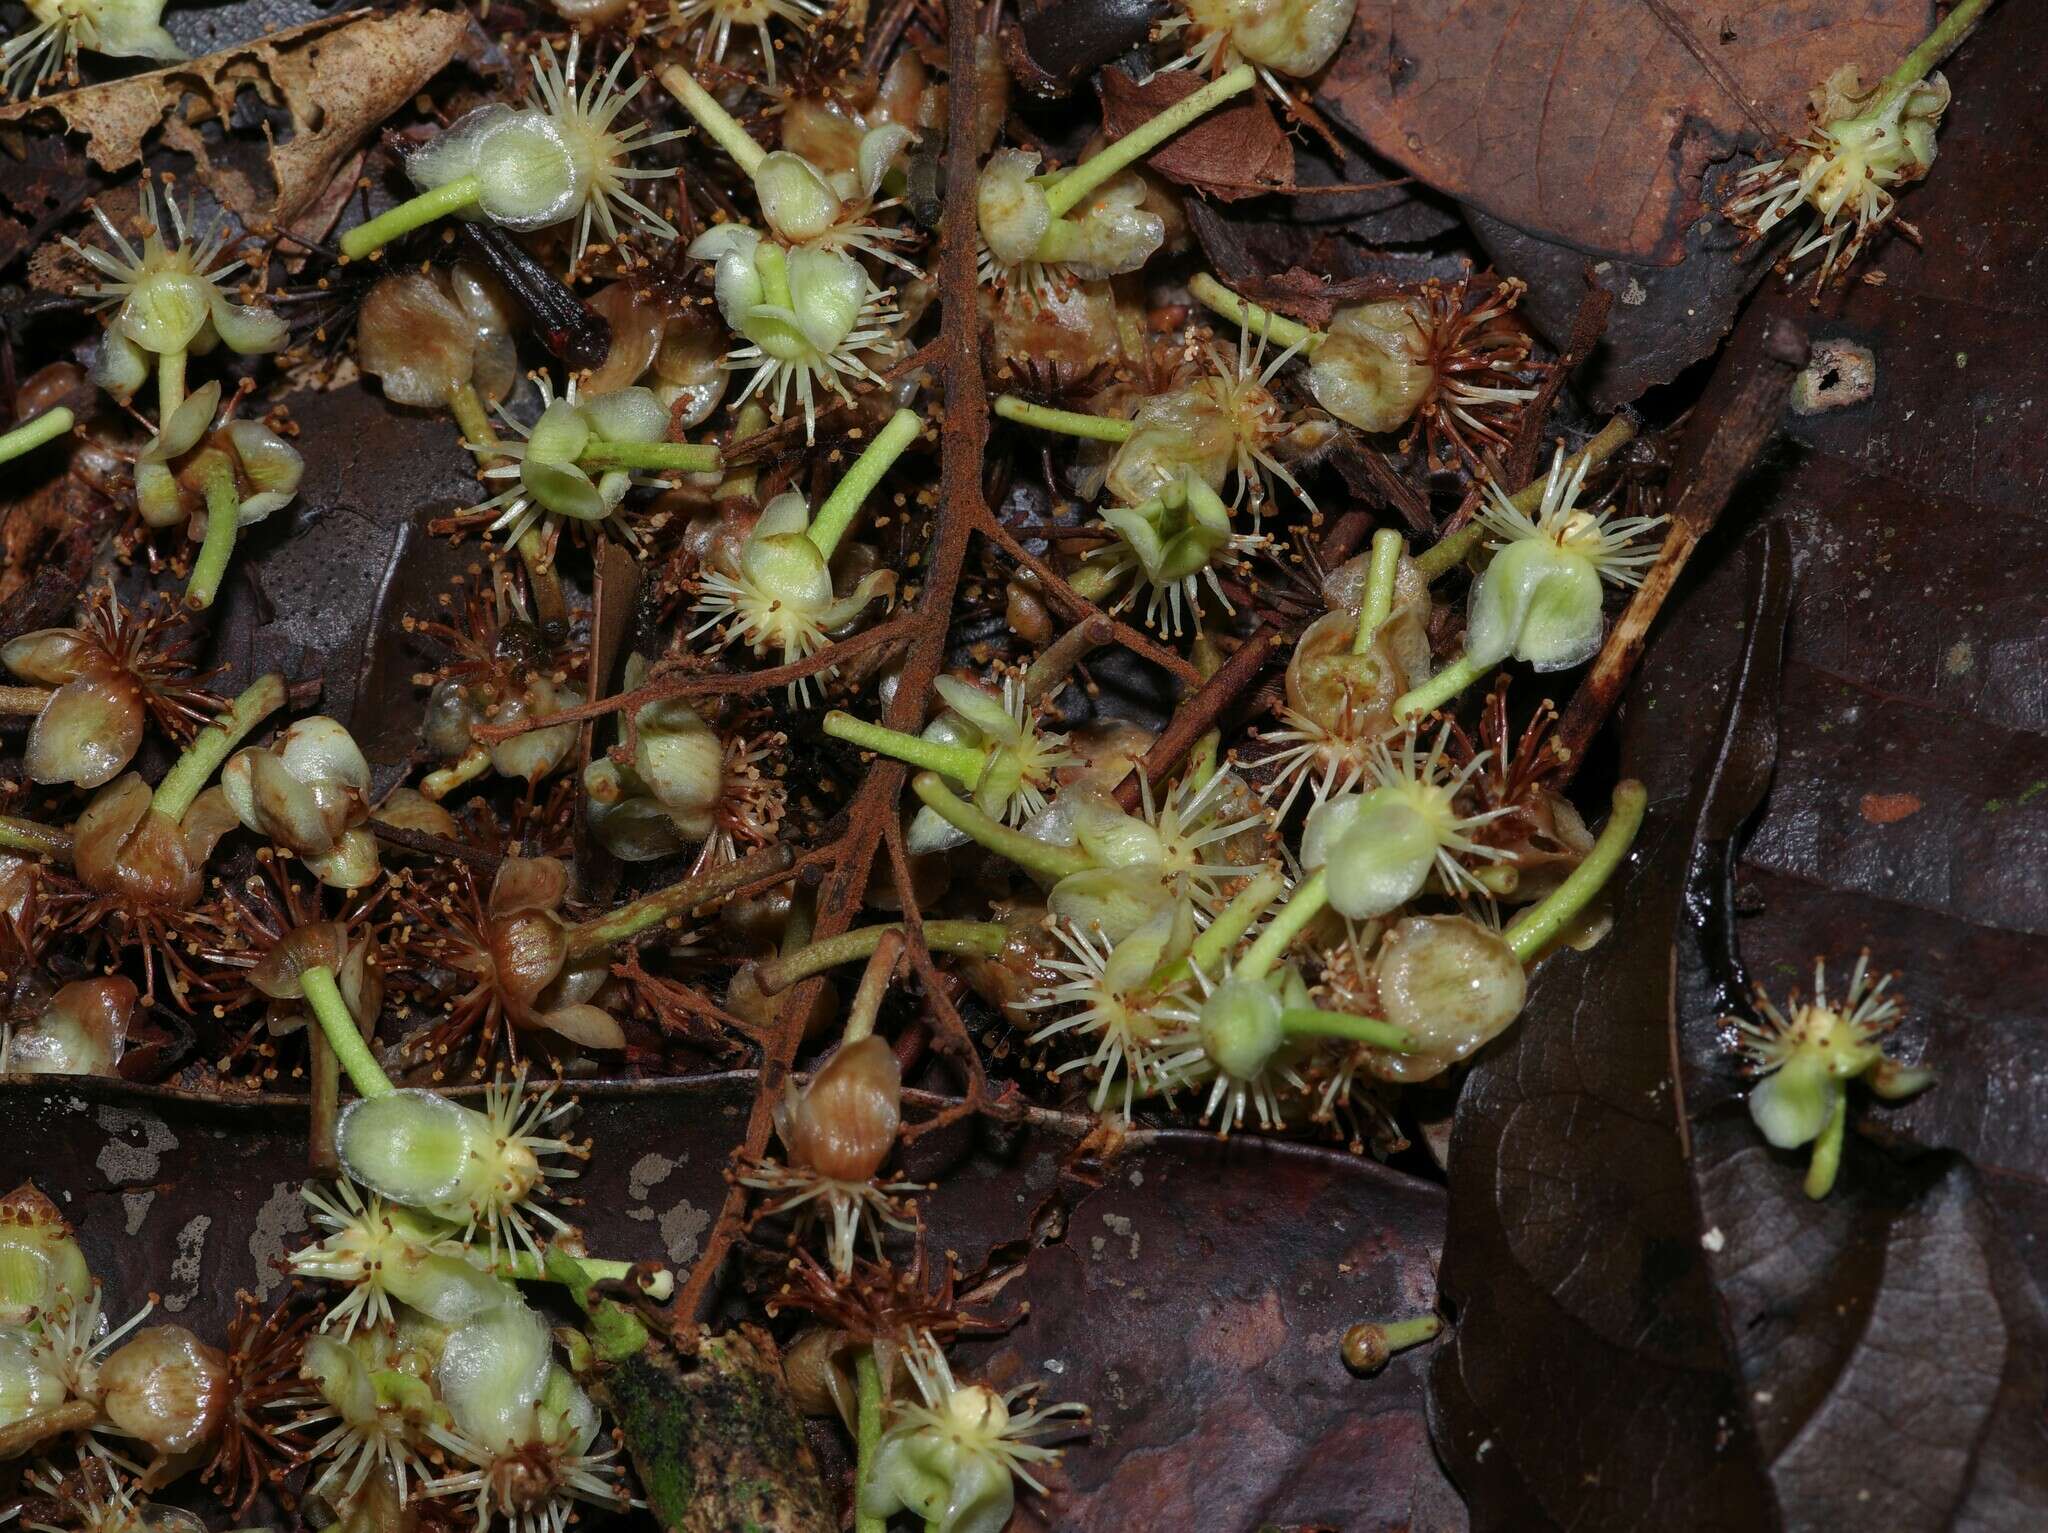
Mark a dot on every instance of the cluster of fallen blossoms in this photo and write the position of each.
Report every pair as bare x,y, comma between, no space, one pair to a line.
1271,914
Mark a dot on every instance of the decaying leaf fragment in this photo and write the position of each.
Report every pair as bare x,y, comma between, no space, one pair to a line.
1239,151
337,79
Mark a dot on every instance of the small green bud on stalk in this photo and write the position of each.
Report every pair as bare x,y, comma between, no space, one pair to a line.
30,435
1371,1344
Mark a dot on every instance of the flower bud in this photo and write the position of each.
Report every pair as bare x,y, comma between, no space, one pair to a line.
1371,370
166,1387
843,1123
42,1270
1451,984
309,793
82,1031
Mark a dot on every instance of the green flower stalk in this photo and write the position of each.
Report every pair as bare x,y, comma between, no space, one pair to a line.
1804,1064
1862,145
1539,599
1043,232
803,206
31,434
989,745
559,158
576,463
169,301
777,593
1371,1344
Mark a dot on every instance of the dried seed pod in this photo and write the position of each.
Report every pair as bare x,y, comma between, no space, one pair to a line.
426,337
843,1123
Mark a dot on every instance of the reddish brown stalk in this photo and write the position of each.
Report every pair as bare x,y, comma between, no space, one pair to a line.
961,510
1737,414
711,684
1198,715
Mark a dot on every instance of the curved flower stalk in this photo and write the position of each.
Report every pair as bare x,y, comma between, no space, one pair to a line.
309,792
1442,358
114,670
219,478
560,158
837,1130
711,24
1381,845
1109,996
169,301
481,1172
804,207
1804,1063
1539,599
82,1031
953,1458
521,1425
777,593
578,460
1278,37
1045,232
988,743
25,438
688,784
60,30
1861,145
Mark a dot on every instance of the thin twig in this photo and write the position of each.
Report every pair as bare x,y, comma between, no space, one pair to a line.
1736,416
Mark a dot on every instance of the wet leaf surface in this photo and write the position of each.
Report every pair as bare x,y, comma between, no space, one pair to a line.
1884,1344
1591,126
1196,1300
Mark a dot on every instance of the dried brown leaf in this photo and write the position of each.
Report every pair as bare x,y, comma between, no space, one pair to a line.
335,80
1235,152
1590,125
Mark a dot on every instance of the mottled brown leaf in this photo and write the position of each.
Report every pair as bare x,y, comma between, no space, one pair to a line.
1590,125
326,84
1236,151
